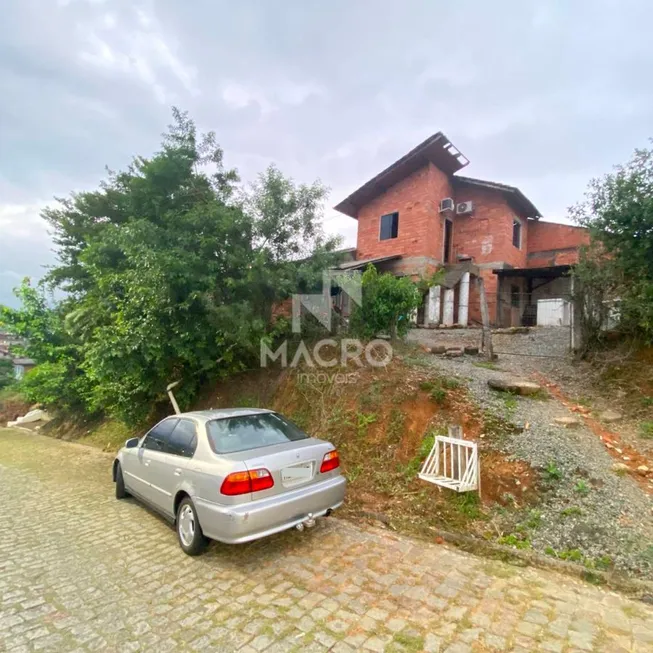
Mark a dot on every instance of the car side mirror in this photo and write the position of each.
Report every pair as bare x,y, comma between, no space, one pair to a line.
131,443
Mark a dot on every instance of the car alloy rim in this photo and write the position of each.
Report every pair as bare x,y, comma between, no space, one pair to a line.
186,525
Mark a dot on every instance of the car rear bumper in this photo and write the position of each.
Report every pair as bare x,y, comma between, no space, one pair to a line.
256,519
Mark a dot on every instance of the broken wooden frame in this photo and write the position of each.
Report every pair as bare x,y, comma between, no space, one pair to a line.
453,463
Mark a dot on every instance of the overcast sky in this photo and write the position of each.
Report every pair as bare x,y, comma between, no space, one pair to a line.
543,95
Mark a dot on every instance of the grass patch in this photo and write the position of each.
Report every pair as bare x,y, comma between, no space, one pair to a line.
487,365
574,555
582,488
363,420
411,643
247,401
571,511
371,399
646,430
450,383
436,388
591,577
302,417
515,540
534,519
425,447
109,436
396,426
552,471
510,402
468,504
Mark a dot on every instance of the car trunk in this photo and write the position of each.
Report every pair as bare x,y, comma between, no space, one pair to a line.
293,465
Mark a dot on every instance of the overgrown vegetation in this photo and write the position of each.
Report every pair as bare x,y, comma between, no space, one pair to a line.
615,275
170,273
388,302
6,373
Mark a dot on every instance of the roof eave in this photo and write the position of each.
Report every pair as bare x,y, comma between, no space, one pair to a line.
436,149
519,200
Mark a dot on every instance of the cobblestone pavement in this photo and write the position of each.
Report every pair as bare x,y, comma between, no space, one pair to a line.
80,571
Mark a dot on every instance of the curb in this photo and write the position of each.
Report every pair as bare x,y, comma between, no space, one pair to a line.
641,590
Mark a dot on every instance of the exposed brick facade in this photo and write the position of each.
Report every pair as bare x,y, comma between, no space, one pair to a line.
554,244
485,237
416,198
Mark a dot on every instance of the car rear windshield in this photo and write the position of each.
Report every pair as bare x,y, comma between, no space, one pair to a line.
245,432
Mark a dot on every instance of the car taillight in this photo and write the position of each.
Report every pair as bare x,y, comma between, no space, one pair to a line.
245,482
330,461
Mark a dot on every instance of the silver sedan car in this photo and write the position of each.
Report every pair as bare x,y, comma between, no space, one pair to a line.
231,475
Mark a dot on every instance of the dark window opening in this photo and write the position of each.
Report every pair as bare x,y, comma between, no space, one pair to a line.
448,238
516,233
157,438
183,440
514,296
389,226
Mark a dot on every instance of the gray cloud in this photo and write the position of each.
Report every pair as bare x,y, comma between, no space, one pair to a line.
542,95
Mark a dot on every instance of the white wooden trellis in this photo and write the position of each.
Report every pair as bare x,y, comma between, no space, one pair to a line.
453,463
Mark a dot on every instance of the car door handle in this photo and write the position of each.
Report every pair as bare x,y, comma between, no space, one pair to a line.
146,463
178,471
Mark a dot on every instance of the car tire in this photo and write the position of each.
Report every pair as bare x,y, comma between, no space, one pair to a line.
189,532
121,493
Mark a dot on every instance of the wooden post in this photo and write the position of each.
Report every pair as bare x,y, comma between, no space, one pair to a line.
486,343
455,431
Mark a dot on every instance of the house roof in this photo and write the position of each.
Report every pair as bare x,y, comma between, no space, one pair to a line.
512,193
24,361
361,263
436,149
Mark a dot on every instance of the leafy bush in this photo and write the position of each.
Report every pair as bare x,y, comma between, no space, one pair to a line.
388,303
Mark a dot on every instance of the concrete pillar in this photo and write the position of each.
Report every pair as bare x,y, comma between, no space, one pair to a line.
433,305
463,300
447,317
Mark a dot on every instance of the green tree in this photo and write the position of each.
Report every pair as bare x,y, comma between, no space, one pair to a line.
290,250
388,302
6,372
618,210
57,381
169,275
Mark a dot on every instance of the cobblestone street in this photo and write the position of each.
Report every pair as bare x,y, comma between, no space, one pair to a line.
80,571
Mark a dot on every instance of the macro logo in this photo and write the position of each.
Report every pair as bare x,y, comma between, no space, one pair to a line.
376,353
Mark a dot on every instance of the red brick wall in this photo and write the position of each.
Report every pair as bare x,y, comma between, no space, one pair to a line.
550,243
487,234
417,199
545,236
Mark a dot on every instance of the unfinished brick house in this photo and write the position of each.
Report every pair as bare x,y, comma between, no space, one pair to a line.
418,215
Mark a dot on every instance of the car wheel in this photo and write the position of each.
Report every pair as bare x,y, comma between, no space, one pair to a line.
121,493
189,531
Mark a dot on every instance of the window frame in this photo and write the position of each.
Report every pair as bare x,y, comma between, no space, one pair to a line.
392,214
516,222
193,441
165,440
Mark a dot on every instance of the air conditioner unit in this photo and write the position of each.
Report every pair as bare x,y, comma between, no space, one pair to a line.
446,205
463,208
